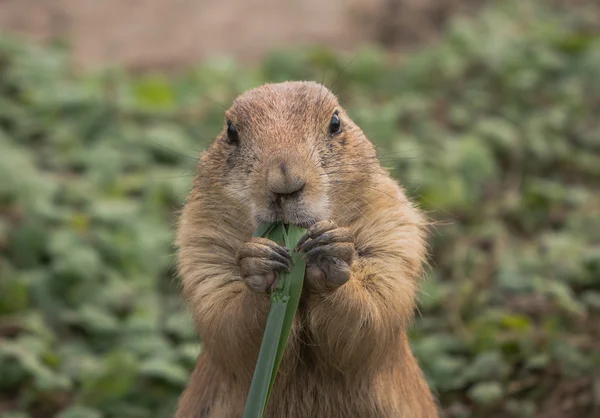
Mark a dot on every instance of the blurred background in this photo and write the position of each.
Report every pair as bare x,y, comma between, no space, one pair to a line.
486,111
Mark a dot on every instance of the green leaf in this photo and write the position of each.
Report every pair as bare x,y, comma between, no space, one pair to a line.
154,92
486,393
487,365
14,293
284,303
164,369
292,291
113,380
260,388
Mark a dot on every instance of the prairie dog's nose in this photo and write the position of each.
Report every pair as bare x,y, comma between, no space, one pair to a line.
282,181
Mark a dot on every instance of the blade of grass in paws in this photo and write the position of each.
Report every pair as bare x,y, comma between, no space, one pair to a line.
264,229
292,290
279,322
256,402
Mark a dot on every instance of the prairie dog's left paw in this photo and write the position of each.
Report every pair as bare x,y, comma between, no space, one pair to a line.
329,253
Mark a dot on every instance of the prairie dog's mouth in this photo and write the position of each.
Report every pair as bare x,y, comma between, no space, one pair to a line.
297,216
302,205
302,212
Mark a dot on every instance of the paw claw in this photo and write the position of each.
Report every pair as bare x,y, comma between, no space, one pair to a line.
260,260
316,230
342,251
339,235
329,251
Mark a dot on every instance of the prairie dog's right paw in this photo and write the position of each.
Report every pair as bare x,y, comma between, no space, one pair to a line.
260,260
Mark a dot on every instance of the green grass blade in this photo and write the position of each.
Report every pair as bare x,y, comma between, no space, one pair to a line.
261,381
284,303
293,291
264,229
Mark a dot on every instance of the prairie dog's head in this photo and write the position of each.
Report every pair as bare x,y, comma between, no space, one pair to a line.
288,152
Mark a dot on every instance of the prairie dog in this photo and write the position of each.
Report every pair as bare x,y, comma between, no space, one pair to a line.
289,152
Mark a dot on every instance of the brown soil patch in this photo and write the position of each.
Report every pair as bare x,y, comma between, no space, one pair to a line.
160,34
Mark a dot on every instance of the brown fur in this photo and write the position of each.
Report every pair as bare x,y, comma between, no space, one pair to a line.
348,354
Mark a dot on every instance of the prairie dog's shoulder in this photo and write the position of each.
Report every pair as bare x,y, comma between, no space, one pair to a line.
389,218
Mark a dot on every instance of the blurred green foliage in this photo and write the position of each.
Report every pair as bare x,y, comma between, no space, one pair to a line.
494,131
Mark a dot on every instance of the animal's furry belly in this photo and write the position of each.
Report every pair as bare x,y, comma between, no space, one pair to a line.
298,395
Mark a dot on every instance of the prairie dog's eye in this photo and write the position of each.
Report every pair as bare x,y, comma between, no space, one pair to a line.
232,133
335,124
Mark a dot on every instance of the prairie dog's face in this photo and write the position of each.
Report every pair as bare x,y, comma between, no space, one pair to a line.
287,149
